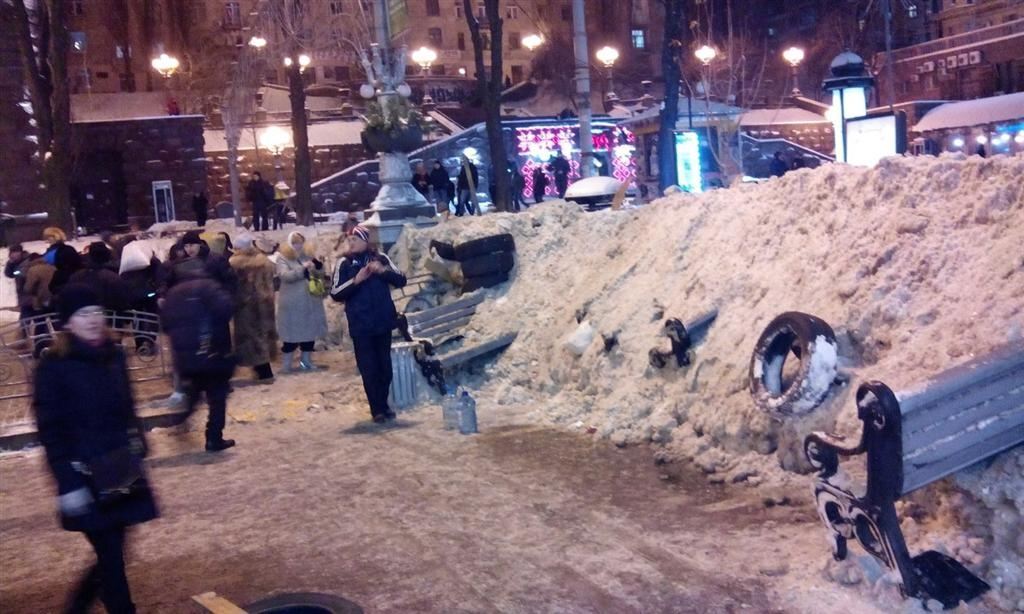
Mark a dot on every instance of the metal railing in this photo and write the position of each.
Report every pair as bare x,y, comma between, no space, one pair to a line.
24,342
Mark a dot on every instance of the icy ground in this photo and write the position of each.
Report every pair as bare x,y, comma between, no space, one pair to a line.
520,518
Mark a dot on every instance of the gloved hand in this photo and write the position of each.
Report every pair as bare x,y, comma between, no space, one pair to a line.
76,502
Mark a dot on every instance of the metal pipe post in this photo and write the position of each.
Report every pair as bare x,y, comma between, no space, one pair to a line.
579,27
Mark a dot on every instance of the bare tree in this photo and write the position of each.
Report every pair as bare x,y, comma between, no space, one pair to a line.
43,46
119,26
489,87
670,50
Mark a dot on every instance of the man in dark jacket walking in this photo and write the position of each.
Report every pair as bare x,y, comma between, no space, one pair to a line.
197,260
560,168
196,317
469,183
363,281
261,194
110,287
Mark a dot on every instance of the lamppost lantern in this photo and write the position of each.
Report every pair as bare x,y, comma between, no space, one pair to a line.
532,41
849,85
304,62
166,65
607,56
257,42
276,139
706,54
794,55
462,71
425,57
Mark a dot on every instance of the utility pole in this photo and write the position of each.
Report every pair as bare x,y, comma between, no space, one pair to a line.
579,27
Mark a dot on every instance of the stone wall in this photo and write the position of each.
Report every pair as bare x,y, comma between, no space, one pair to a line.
326,162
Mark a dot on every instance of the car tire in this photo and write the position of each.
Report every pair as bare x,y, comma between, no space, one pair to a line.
443,250
304,603
481,266
487,281
813,342
482,247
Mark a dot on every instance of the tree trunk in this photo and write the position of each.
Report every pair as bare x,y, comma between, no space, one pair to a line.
300,137
57,169
489,86
670,113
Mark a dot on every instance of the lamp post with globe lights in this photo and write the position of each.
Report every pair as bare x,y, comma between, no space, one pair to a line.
608,56
166,65
532,41
425,57
794,55
276,139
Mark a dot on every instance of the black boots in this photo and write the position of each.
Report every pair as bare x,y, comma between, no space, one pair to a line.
218,445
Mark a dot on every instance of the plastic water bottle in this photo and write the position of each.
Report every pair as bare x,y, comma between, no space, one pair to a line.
450,411
467,414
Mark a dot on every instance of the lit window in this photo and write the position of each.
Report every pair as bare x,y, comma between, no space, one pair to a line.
232,15
337,7
78,42
912,11
433,8
639,38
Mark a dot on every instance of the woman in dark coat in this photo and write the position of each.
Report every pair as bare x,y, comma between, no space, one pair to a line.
84,428
540,183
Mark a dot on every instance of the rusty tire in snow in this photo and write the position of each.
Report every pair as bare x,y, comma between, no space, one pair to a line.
812,342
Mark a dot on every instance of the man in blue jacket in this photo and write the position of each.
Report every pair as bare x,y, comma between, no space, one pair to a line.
363,281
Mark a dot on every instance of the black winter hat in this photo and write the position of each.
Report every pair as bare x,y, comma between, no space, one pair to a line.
191,238
99,253
72,298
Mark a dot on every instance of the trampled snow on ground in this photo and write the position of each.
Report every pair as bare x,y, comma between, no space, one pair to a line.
917,264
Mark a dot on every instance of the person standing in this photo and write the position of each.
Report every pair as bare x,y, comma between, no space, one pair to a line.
301,318
62,256
560,168
201,207
777,167
469,182
540,184
518,183
421,180
261,194
279,213
196,316
93,438
138,271
255,325
96,275
363,281
441,185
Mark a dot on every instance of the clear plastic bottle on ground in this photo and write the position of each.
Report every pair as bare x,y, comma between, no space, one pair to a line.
467,414
450,410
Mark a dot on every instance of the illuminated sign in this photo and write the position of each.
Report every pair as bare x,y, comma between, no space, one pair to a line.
869,139
688,168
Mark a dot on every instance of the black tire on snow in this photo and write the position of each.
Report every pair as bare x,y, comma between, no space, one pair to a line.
813,343
481,266
444,250
484,246
304,602
487,281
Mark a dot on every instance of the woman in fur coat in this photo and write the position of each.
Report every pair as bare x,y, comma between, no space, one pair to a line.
255,325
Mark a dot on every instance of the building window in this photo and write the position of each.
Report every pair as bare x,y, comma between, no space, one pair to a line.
481,11
328,72
437,70
912,11
119,51
514,41
486,38
342,73
232,15
337,7
517,73
433,8
78,42
102,75
458,9
461,42
566,12
639,38
78,7
512,12
436,37
126,82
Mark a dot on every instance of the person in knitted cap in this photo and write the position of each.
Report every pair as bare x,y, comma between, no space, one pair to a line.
111,289
363,281
85,416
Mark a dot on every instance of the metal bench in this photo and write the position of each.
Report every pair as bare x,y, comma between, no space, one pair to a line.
434,328
956,419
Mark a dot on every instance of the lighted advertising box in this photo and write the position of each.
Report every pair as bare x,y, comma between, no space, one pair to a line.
869,139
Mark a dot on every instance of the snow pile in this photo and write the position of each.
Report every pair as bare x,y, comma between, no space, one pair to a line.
916,264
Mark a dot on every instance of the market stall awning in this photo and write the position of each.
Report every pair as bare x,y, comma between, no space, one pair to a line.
973,113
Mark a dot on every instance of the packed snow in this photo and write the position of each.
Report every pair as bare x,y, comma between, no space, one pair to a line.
916,264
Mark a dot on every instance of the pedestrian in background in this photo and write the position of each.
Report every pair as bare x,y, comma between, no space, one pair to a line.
261,194
201,208
301,318
85,415
96,274
196,316
560,168
468,184
363,281
255,325
540,184
62,256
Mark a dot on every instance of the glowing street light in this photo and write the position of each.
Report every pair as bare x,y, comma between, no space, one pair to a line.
425,56
166,65
706,54
276,139
532,41
608,56
304,62
462,71
794,55
257,42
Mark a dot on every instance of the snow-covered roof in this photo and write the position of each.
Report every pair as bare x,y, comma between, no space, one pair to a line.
699,107
113,107
275,100
321,134
973,113
776,117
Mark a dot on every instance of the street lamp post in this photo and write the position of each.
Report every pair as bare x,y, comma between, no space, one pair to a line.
532,41
166,65
794,55
275,140
303,59
425,57
706,54
608,56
